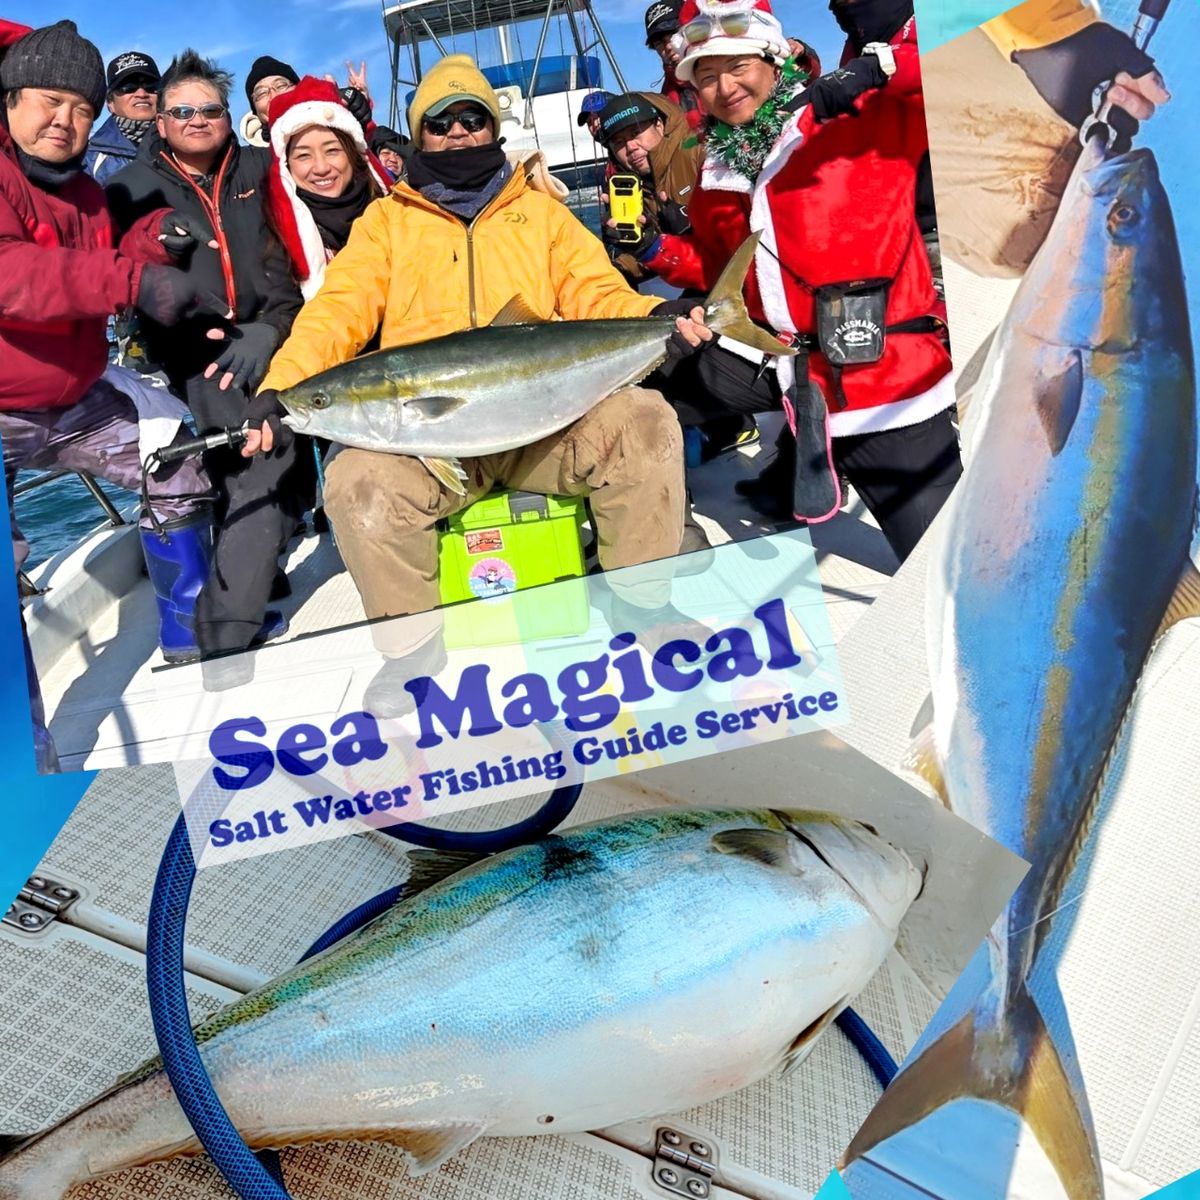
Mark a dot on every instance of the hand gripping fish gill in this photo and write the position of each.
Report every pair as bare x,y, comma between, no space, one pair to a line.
1058,562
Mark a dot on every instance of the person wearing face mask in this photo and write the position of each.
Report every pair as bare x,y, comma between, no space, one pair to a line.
448,248
841,268
132,94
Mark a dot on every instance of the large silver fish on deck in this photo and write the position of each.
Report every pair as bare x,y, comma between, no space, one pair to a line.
1061,558
508,384
632,967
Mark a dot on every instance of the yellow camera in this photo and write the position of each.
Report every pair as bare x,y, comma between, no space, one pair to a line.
625,206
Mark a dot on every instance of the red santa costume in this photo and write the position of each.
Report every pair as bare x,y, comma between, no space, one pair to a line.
833,202
311,102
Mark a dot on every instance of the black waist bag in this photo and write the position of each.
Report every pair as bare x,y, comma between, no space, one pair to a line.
851,321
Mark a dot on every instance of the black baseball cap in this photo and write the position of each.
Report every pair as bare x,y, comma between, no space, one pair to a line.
629,109
662,17
132,63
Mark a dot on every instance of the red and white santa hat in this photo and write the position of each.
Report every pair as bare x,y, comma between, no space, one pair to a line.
311,102
725,27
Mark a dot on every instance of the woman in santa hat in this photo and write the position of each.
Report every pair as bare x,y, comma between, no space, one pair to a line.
825,170
322,177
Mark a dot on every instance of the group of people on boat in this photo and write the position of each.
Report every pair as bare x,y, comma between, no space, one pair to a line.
253,267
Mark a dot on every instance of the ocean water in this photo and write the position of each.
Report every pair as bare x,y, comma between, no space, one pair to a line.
61,513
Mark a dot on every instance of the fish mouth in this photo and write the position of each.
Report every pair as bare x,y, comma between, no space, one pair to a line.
1103,174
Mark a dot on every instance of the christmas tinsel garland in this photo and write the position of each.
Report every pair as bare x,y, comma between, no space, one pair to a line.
744,148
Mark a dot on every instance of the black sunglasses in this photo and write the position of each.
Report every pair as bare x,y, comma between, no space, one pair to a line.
471,119
137,85
185,112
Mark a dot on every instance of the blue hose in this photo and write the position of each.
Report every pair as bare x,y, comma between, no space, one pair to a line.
253,1178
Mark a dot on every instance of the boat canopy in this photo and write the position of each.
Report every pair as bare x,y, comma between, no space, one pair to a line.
415,20
557,73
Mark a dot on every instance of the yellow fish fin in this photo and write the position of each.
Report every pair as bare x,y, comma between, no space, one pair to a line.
921,760
1186,600
517,312
448,472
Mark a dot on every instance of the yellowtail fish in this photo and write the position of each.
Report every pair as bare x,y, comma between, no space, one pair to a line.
636,966
1060,559
509,384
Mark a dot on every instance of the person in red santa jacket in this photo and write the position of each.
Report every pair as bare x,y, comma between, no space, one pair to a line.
825,172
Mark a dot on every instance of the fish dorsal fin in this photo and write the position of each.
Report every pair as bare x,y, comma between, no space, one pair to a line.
516,312
432,1145
921,760
432,408
448,472
771,847
804,1042
1056,397
427,867
1186,600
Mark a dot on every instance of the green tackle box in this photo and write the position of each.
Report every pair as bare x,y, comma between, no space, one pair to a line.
507,542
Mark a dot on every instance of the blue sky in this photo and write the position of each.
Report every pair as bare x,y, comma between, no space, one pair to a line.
318,36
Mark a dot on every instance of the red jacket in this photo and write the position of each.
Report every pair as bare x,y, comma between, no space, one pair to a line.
60,279
834,202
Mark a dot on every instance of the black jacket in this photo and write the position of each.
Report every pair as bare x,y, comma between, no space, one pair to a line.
250,269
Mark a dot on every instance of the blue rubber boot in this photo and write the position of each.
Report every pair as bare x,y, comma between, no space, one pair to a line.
178,565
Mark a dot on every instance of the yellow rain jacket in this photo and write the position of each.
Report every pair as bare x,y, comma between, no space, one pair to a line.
415,272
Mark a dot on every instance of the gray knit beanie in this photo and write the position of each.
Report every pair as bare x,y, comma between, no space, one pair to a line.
55,57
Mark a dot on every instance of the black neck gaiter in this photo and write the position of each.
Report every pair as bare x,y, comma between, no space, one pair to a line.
49,176
335,214
466,170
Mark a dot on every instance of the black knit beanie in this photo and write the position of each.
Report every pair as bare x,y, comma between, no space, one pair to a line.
264,68
55,57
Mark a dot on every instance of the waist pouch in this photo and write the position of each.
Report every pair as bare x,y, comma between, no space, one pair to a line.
851,320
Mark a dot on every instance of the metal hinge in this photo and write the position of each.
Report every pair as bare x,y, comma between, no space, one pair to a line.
38,903
684,1165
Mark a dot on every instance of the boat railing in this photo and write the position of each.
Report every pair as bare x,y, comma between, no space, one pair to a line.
26,586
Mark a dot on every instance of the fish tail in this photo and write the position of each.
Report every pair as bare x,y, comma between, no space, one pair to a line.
1003,1054
725,310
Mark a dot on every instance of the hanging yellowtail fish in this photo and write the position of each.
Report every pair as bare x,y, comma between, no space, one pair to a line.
1062,556
637,966
509,384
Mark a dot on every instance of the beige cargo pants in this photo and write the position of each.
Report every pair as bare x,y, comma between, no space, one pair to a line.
626,454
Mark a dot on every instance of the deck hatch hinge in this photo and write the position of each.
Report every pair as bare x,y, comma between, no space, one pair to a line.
684,1165
38,903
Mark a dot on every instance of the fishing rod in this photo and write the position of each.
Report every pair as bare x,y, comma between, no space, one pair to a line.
1149,17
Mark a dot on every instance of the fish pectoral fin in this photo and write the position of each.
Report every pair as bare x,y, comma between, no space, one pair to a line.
804,1042
771,847
1186,600
516,312
432,408
921,760
429,1146
924,716
448,472
1056,397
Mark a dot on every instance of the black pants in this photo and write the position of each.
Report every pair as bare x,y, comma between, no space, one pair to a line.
716,384
904,476
260,500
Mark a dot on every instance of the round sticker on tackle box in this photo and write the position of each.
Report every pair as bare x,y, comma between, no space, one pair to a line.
492,577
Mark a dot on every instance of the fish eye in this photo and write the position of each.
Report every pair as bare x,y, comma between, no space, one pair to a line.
320,400
1123,217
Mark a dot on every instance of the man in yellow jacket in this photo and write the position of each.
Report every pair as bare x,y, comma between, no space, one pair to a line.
447,249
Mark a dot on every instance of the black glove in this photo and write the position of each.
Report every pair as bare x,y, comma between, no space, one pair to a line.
672,217
678,347
265,409
167,295
833,94
181,233
650,233
248,354
1066,73
358,104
